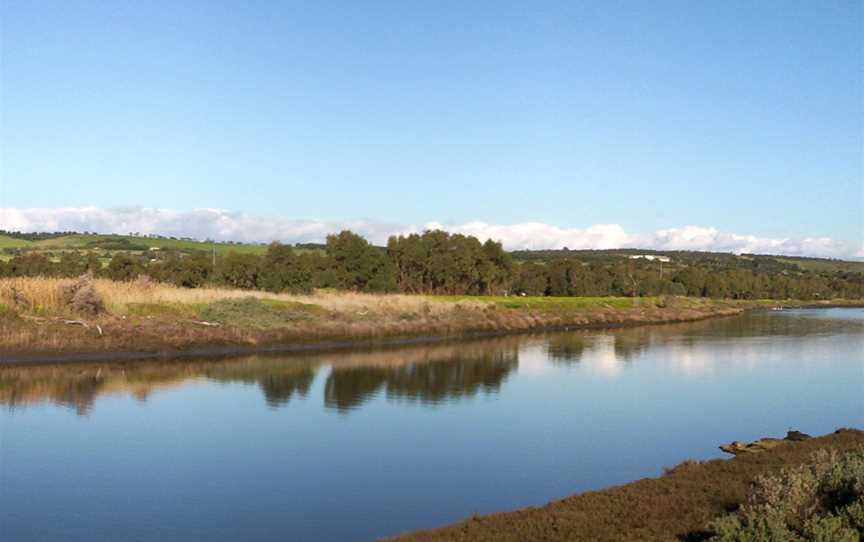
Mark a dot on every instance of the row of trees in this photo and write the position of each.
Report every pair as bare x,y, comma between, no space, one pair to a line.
568,277
437,262
348,262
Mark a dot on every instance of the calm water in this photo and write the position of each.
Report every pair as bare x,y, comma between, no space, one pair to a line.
356,445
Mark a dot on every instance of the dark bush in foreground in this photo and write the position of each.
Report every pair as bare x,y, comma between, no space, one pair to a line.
822,502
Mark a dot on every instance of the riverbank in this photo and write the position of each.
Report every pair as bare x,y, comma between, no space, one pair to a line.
677,506
129,320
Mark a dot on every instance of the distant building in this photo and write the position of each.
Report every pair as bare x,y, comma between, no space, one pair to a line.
651,257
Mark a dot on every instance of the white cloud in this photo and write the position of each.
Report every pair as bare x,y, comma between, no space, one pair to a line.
706,238
536,235
702,238
218,224
226,225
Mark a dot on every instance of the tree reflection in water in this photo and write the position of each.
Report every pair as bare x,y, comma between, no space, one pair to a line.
348,388
429,373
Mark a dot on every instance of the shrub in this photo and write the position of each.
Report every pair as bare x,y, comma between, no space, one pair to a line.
19,299
81,296
821,501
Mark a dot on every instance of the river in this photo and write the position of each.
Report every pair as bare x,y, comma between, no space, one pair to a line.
354,445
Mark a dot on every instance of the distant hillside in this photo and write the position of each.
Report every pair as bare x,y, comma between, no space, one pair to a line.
823,264
82,241
11,242
106,244
725,259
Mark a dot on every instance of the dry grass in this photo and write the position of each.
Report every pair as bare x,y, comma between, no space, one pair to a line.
146,316
45,296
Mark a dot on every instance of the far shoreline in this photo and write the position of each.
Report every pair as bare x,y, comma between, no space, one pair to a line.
386,336
25,358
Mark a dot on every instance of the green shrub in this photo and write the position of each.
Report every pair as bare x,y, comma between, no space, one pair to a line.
820,502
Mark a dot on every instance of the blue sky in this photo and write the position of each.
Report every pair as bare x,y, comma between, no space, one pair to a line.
740,116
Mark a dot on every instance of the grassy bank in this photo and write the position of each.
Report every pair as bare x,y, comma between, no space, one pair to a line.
678,506
39,320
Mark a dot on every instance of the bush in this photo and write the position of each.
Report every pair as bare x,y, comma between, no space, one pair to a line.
19,300
81,296
822,501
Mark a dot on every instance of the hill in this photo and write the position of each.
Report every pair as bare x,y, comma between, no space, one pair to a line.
139,243
722,259
12,242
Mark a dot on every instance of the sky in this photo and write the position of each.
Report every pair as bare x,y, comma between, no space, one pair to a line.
710,125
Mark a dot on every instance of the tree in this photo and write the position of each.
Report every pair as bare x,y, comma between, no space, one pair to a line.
72,264
496,269
124,267
31,265
359,266
240,271
283,270
530,279
188,271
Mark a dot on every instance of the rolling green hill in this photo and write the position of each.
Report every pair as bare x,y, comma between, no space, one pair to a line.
106,244
821,264
694,257
120,242
11,242
134,243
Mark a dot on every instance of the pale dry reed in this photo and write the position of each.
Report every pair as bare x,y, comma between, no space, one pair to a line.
43,294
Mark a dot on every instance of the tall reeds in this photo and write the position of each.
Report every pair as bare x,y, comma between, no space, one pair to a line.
45,295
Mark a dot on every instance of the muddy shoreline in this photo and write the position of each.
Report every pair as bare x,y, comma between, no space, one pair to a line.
218,351
387,338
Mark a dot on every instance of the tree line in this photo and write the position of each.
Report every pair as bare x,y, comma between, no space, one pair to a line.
35,236
437,262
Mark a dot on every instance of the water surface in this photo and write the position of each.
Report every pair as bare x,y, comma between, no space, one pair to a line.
357,445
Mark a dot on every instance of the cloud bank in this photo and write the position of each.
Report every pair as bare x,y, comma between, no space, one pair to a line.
223,225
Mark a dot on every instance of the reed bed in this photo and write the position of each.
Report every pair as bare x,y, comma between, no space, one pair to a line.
43,295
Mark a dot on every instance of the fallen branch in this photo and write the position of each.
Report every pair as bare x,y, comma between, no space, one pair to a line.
76,323
203,323
37,319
